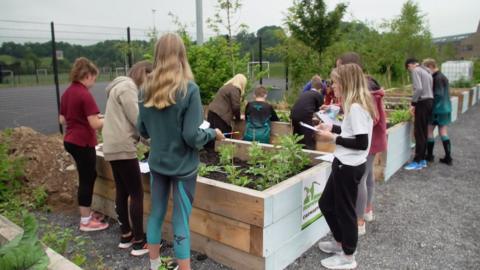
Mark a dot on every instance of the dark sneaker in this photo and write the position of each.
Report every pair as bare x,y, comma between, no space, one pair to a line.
447,160
126,242
139,248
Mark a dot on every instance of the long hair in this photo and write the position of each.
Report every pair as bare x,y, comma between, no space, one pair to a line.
171,73
239,81
354,88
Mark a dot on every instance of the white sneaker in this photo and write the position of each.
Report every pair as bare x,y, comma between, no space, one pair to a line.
339,261
331,247
361,229
368,216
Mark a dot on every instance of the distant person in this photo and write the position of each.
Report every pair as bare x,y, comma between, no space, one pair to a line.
80,114
442,108
120,137
352,141
308,86
225,106
258,115
366,188
303,110
421,107
170,114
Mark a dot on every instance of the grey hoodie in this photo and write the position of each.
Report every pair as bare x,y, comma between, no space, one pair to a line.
422,82
119,130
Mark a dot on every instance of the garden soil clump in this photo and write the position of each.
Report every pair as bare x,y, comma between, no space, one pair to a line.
46,164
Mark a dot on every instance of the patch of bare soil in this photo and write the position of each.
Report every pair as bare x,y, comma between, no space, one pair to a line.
47,165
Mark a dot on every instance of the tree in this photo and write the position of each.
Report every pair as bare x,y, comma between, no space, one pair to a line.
224,16
310,23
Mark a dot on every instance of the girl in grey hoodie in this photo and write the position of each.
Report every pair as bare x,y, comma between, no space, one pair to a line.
119,147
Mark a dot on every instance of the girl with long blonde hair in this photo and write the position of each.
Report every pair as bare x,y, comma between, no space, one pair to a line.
170,113
352,147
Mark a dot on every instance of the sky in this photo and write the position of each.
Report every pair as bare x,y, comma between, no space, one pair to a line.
443,17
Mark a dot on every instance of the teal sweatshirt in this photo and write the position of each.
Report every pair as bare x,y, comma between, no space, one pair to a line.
175,133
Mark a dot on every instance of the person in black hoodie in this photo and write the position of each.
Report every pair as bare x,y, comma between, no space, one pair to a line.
306,105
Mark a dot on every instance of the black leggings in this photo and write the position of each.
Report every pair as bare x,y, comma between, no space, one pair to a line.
128,182
85,158
338,203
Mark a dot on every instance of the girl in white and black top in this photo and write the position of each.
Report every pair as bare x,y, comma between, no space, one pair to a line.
352,141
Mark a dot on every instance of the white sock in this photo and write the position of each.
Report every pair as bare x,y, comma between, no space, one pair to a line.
155,263
85,220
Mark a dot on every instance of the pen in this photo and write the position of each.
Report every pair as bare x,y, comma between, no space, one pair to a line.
231,133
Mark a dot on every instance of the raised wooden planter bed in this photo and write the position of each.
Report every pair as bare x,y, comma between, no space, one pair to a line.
240,227
399,150
463,98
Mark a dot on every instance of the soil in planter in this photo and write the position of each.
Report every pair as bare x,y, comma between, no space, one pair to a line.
213,159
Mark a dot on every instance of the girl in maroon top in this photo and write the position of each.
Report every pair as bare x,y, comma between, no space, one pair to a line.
80,114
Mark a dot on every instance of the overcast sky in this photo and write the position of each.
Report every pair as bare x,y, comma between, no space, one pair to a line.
443,17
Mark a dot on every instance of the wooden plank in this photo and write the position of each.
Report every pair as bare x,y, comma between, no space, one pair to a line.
237,203
278,233
226,255
297,245
474,96
224,230
454,113
398,148
465,101
225,199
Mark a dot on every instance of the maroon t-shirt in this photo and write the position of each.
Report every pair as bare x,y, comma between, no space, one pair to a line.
76,105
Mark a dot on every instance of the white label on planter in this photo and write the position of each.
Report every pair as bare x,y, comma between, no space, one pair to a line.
313,187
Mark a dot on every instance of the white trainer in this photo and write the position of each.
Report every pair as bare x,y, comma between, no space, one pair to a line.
331,247
339,261
368,216
362,230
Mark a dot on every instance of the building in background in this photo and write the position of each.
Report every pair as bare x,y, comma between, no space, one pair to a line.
462,47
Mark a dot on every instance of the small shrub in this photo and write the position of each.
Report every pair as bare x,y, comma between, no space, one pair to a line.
399,116
226,152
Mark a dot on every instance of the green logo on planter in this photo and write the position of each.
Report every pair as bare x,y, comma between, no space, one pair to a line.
312,191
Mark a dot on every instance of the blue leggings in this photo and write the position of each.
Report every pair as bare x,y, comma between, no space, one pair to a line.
183,191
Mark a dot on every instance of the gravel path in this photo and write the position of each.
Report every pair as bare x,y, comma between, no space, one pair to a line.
427,219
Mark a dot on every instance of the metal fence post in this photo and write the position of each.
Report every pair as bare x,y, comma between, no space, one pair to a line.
260,59
55,74
129,53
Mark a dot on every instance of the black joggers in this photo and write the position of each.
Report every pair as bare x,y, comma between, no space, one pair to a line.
423,115
85,158
128,183
338,203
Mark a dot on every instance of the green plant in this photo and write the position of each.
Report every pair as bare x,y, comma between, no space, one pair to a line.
167,263
462,83
39,197
204,170
65,242
226,153
283,116
399,116
234,176
142,149
11,168
25,251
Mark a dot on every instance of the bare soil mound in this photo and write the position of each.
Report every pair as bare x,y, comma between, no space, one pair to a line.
47,165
